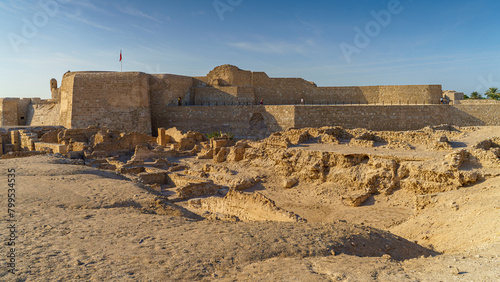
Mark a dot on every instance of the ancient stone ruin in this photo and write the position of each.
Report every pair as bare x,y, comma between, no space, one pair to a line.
227,99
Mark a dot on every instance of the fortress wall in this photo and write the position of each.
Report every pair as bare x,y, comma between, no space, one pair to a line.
218,95
44,112
396,117
165,89
482,114
22,110
477,102
8,111
281,91
117,100
373,117
290,90
421,94
243,121
247,121
230,75
66,100
347,94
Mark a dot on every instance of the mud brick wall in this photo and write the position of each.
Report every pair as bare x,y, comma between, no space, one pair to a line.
117,100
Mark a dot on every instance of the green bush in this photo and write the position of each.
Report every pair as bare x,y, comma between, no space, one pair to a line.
218,134
214,134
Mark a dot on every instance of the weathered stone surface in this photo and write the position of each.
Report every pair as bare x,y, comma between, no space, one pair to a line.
54,148
248,207
221,155
206,154
143,153
175,134
236,154
153,177
289,182
356,200
243,183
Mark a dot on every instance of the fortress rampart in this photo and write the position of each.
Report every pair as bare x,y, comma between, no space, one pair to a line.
135,101
248,121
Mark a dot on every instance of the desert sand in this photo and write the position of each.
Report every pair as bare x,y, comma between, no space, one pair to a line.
303,205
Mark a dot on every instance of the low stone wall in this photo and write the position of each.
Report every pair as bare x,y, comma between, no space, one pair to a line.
485,114
55,148
400,117
247,121
243,121
478,102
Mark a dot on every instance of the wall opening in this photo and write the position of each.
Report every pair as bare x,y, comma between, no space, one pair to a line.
257,122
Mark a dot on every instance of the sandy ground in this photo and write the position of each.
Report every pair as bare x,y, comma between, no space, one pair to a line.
77,223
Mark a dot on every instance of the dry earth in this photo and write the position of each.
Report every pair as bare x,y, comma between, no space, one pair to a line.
365,207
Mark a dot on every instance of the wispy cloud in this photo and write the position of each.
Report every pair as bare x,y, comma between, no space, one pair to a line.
6,8
17,6
138,13
274,47
87,22
86,4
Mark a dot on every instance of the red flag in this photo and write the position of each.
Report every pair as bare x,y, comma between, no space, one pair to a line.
120,55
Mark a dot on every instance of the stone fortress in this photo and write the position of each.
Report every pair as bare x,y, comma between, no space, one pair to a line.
227,99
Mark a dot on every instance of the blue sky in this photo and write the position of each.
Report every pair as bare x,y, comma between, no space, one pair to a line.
333,43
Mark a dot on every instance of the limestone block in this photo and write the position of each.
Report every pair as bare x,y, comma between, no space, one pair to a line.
278,141
106,166
186,143
198,189
15,140
206,154
236,154
243,183
162,138
158,177
78,146
219,143
356,200
290,182
175,134
248,207
221,155
55,148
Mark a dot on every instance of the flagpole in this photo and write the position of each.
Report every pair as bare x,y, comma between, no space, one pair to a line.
121,62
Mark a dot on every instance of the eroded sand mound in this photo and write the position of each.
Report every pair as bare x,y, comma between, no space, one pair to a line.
76,222
246,207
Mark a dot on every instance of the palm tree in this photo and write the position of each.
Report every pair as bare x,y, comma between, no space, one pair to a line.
475,95
493,93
